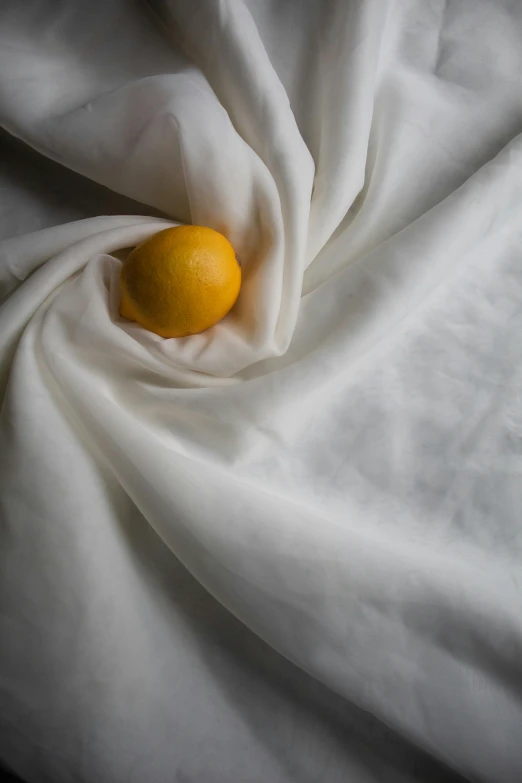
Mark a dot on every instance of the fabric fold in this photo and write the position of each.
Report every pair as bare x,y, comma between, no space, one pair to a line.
337,462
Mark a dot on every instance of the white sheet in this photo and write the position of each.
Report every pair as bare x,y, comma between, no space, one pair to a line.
338,462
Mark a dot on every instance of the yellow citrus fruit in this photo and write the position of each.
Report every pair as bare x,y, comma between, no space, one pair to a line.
181,281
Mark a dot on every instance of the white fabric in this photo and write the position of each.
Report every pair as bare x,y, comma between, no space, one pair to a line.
338,462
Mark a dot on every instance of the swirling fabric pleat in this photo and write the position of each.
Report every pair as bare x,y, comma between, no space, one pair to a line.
337,463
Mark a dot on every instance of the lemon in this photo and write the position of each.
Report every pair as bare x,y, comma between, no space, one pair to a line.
181,281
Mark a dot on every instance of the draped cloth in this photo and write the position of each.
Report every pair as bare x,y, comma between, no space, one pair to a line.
288,548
